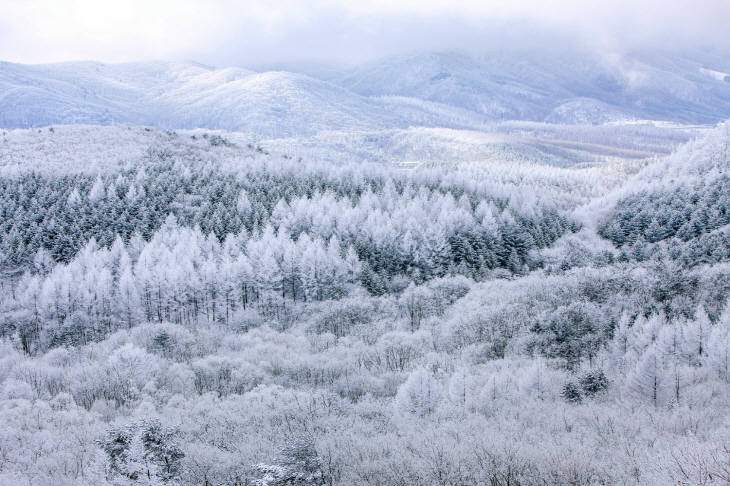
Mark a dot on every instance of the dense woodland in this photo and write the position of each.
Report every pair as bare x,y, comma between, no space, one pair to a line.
215,313
60,215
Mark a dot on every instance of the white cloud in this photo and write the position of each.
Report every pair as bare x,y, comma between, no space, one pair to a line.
45,31
230,32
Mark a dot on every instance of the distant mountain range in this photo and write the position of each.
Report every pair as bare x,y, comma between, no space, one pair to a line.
440,89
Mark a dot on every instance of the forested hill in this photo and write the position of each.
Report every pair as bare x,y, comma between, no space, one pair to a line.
678,208
177,95
400,224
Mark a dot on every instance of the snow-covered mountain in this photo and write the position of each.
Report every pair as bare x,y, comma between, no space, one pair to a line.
188,95
565,88
438,90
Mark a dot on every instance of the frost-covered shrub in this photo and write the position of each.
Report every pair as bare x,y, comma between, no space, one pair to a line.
339,317
13,389
572,392
419,394
224,375
594,382
128,371
171,341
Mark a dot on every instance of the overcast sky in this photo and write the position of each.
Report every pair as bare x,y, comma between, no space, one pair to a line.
248,33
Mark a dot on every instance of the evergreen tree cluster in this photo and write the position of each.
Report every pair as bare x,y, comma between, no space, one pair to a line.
685,225
684,213
397,225
144,453
180,276
185,242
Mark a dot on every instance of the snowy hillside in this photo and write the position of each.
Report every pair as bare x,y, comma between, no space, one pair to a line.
85,92
91,149
675,209
701,161
273,103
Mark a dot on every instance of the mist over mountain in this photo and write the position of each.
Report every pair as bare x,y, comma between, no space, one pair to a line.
558,88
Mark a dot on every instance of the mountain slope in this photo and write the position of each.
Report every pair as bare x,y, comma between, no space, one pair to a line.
678,207
272,103
85,91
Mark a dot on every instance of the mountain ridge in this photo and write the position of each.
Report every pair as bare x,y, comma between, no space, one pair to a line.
450,89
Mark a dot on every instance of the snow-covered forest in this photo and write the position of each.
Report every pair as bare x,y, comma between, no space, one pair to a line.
211,308
500,267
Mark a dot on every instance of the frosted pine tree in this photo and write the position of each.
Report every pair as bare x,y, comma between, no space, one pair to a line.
98,191
143,454
540,381
243,204
336,268
696,333
619,347
718,347
74,199
649,381
289,266
352,264
310,267
461,392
